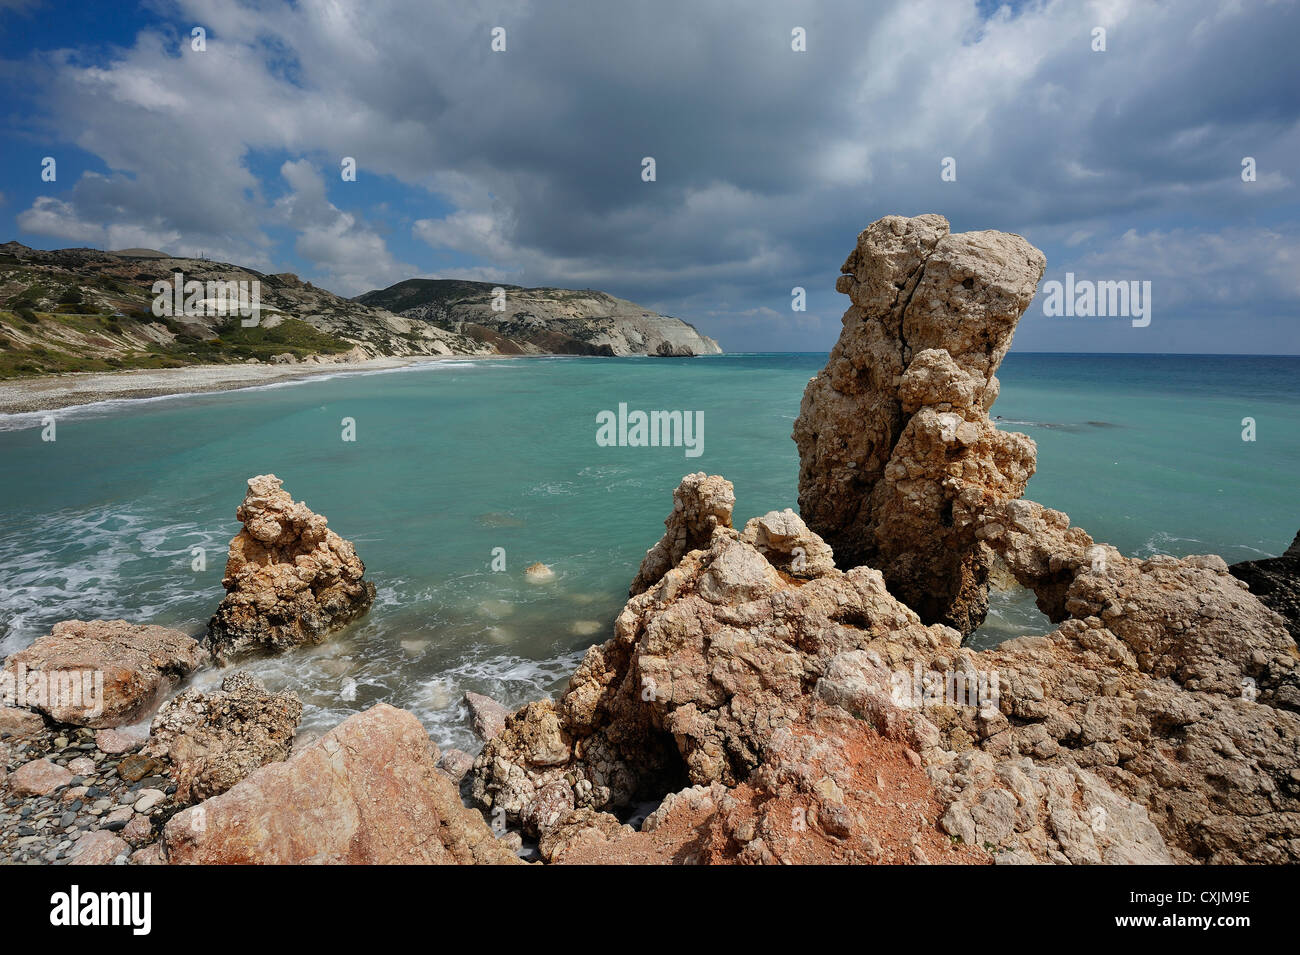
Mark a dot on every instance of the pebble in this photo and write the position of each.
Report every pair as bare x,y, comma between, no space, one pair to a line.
94,804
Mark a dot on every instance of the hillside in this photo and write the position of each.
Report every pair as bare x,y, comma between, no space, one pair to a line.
543,320
88,310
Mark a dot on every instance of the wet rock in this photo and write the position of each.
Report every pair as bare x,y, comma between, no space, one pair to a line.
104,673
487,716
454,764
289,579
539,572
1276,582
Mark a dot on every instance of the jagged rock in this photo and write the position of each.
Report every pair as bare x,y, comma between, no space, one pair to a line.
215,739
784,539
704,668
487,716
701,504
367,792
102,673
1276,582
1156,724
289,580
896,426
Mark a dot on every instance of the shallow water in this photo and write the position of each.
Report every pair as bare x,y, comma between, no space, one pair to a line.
454,459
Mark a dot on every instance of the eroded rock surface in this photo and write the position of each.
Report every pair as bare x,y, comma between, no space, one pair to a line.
1158,724
366,793
289,580
732,672
215,739
896,427
701,504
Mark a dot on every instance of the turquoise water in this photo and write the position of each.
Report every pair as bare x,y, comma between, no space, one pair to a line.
454,459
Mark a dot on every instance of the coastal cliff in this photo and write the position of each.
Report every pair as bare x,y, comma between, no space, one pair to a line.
79,310
543,320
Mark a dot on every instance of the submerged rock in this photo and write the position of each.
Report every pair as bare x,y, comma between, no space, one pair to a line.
895,428
538,572
289,580
102,673
367,792
215,739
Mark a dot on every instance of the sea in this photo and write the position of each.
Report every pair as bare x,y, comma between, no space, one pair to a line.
452,477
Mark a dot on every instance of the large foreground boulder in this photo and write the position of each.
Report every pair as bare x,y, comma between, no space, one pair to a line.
896,425
1159,723
289,580
100,673
215,739
733,672
368,792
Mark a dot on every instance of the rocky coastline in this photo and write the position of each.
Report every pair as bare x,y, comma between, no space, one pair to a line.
798,688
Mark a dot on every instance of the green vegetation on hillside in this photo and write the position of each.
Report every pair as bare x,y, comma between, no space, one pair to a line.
234,343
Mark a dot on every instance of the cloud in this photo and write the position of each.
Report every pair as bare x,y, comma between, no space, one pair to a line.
524,166
350,256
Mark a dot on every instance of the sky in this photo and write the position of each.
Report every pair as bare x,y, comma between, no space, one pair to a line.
525,165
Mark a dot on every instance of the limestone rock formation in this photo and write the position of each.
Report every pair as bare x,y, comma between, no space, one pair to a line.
213,740
701,504
784,539
100,673
367,792
289,580
542,320
896,427
1276,582
731,671
1158,724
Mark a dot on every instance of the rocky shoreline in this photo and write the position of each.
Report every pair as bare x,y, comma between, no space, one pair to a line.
796,689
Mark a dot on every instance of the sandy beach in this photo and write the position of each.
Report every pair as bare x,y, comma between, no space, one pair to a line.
51,392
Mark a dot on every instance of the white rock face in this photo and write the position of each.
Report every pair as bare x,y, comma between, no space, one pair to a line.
546,320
